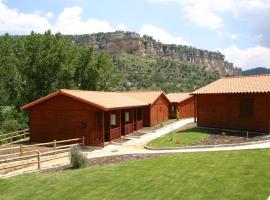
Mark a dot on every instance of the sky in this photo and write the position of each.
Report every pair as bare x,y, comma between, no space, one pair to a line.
240,29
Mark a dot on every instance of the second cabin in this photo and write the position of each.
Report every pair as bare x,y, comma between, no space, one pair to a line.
182,104
98,116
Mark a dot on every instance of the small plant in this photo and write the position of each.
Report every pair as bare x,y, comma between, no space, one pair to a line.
177,141
177,115
161,124
77,159
171,133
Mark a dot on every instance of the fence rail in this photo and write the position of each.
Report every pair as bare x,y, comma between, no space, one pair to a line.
13,137
24,158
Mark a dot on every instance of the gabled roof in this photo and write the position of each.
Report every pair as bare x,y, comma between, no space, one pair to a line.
178,97
148,97
103,100
240,84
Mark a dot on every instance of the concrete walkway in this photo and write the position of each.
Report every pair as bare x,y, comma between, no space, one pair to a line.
136,145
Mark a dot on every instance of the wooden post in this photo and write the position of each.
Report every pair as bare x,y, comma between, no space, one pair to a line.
24,135
11,138
110,126
39,160
54,145
21,150
83,141
103,126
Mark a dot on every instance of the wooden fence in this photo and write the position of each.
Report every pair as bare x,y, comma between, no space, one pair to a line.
14,158
14,137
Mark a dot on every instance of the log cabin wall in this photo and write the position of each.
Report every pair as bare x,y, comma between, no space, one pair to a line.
159,111
61,118
246,112
186,108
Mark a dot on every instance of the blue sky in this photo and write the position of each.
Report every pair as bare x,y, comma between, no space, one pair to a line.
239,29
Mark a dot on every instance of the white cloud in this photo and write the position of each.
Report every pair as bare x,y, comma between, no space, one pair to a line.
162,35
49,15
210,13
257,56
13,21
70,22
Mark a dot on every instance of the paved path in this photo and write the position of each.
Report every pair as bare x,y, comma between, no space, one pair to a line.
135,145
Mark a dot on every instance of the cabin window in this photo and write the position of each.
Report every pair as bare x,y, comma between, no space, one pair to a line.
113,119
127,116
246,108
99,120
172,108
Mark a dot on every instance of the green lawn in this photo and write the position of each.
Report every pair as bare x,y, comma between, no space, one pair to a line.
230,175
185,138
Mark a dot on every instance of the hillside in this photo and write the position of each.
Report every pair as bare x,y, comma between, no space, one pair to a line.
256,71
158,73
120,42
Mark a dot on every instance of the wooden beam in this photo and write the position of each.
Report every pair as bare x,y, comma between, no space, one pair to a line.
103,127
110,125
268,113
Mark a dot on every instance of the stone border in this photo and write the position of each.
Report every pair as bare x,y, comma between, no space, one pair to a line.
206,146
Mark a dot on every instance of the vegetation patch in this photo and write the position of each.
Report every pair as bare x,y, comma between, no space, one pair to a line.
197,136
180,138
209,175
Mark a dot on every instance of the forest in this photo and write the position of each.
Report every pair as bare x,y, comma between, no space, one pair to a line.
35,65
32,66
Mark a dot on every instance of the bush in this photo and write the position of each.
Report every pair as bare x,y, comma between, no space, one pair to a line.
77,159
177,115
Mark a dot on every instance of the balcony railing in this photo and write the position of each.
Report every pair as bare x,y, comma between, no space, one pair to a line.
138,125
128,128
115,133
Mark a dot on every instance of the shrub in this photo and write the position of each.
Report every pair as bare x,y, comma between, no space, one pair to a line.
77,159
177,115
177,141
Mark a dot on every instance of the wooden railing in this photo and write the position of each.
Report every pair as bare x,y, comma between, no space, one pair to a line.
138,125
128,128
22,156
13,137
115,133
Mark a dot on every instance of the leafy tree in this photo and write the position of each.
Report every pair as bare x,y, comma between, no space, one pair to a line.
107,75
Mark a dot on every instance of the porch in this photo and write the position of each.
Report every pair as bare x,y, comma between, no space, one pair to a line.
122,122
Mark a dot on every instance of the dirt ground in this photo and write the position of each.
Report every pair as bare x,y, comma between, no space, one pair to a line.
221,137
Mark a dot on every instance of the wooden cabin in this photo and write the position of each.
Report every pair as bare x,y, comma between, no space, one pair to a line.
157,109
98,116
237,103
183,103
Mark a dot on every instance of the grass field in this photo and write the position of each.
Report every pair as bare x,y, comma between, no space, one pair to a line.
233,175
185,138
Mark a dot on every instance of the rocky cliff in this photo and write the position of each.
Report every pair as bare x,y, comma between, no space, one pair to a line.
132,43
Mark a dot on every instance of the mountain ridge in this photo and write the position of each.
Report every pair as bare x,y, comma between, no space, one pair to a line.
132,43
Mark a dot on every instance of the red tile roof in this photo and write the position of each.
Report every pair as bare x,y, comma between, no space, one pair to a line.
103,100
148,97
240,84
178,97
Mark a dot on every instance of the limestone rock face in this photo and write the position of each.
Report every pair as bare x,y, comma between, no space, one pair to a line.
130,42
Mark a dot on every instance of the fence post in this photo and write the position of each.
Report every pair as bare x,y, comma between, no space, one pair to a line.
39,160
24,135
21,150
83,141
11,138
